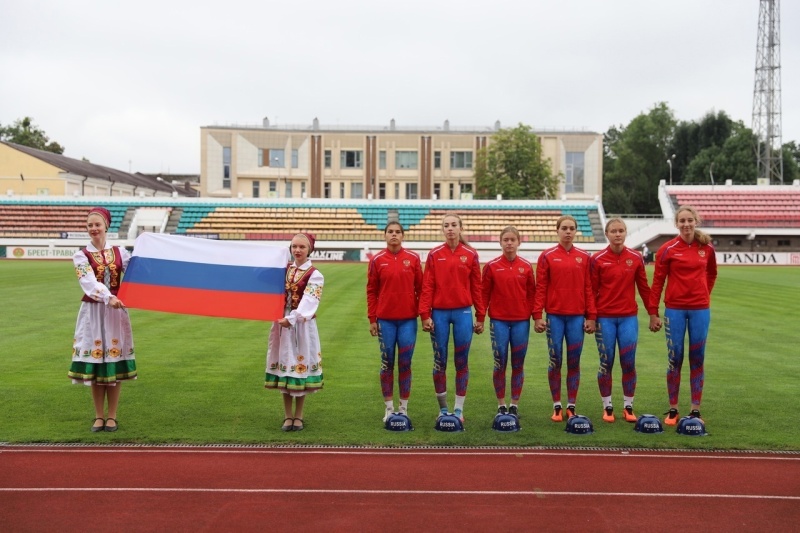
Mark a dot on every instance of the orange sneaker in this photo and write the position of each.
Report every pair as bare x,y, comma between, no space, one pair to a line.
570,411
557,416
608,415
628,414
672,417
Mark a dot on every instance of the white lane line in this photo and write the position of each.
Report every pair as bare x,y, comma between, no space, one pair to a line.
537,493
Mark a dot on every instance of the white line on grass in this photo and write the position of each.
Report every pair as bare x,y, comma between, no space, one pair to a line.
637,454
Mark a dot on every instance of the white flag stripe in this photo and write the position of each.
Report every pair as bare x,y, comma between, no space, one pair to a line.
212,252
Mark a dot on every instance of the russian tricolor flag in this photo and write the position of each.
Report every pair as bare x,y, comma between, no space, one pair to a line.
193,276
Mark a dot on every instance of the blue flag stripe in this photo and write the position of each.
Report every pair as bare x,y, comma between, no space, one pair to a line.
187,275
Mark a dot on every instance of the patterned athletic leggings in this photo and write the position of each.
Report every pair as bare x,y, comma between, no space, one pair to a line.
505,333
461,321
677,322
622,331
396,337
559,328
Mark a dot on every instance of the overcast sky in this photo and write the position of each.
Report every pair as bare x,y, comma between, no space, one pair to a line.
130,84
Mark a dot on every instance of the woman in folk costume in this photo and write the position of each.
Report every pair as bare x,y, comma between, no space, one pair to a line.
294,358
102,352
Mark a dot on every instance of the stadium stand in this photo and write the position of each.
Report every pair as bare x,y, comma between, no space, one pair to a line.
45,221
742,206
335,221
365,223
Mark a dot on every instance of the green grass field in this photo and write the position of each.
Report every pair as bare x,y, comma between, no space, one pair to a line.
201,379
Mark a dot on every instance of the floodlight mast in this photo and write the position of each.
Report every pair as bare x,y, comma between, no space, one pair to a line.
767,94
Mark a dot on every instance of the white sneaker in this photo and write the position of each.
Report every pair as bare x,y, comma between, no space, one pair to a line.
389,412
403,410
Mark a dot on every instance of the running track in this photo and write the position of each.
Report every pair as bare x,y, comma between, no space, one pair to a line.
66,489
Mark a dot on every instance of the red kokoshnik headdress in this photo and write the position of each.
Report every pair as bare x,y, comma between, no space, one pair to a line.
103,212
311,240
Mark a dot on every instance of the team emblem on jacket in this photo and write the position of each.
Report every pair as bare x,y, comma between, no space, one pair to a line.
463,258
701,253
521,270
406,263
579,260
629,262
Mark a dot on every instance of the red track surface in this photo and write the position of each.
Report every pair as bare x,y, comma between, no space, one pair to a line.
339,489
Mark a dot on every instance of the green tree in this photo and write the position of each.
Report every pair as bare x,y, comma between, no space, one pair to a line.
638,156
734,160
793,150
613,193
26,133
691,138
513,165
791,162
610,140
791,170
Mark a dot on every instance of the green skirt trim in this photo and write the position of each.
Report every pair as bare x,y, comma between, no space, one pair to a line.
108,372
273,381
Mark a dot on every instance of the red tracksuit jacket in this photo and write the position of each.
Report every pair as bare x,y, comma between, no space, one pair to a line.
509,288
452,279
563,283
394,282
690,271
615,278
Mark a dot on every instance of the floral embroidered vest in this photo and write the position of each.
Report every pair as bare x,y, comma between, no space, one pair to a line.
107,267
295,286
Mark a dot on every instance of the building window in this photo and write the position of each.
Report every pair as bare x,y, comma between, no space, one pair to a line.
356,189
452,191
277,158
294,158
273,189
351,159
302,189
411,191
341,189
460,160
288,189
256,189
261,156
405,159
437,159
382,191
226,167
397,190
573,179
437,191
327,159
327,190
382,160
784,242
